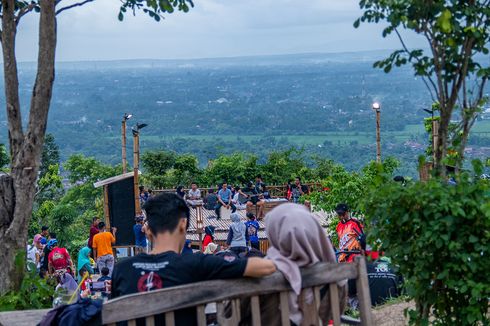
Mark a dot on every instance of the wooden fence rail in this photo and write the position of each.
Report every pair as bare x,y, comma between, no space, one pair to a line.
274,190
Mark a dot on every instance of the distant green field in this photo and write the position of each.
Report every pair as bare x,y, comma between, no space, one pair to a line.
481,127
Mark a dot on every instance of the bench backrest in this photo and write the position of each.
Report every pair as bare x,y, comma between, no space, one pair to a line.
148,305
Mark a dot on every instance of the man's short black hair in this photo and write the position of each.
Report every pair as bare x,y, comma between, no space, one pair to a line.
341,209
94,219
259,177
299,178
104,271
211,190
101,225
142,188
193,183
52,235
164,212
44,228
251,216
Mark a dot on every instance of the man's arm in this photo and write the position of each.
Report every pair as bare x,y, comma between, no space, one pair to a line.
113,240
259,267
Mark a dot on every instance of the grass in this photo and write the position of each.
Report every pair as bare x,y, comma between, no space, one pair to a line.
342,138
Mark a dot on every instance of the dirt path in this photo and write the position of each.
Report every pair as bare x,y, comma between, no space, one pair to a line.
391,315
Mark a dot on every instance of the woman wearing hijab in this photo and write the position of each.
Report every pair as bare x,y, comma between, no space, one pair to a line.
209,237
84,262
237,236
297,240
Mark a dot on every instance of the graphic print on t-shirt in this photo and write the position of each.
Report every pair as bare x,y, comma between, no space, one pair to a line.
149,282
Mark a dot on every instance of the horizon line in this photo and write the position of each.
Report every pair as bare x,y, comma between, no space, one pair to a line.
216,58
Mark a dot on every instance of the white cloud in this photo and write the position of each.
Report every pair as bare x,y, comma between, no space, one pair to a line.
214,28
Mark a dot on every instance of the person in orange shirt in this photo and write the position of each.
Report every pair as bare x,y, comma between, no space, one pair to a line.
102,246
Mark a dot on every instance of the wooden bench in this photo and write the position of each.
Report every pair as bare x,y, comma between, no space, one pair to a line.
166,301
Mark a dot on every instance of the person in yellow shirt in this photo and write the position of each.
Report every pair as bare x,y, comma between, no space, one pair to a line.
102,246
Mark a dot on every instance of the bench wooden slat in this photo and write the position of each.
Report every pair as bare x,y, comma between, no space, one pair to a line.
132,322
232,320
363,294
186,296
334,303
150,321
170,319
201,316
284,305
255,311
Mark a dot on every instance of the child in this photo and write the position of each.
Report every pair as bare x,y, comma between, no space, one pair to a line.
105,275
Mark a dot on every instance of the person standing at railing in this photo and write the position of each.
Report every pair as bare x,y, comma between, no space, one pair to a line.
237,235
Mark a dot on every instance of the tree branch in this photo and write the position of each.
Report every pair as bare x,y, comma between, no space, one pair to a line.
405,48
24,11
78,4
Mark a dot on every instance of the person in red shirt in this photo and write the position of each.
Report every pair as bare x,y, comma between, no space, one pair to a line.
93,231
209,237
59,258
351,235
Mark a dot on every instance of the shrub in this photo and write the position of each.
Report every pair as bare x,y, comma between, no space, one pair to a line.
439,235
34,292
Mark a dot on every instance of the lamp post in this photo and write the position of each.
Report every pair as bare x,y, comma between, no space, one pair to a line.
377,109
136,156
126,117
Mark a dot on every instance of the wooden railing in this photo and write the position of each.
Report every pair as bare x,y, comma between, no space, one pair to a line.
274,190
167,301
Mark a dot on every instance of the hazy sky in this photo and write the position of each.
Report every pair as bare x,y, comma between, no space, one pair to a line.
214,28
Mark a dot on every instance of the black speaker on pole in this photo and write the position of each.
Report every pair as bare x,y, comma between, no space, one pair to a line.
120,195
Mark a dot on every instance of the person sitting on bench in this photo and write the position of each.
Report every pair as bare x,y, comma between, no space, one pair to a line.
224,199
193,197
254,198
168,220
211,200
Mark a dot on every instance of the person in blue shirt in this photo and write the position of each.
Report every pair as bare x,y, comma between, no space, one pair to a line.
139,235
224,199
253,230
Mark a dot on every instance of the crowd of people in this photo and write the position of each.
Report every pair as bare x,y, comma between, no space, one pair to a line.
170,261
234,197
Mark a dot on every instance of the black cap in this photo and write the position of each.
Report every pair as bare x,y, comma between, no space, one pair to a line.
341,209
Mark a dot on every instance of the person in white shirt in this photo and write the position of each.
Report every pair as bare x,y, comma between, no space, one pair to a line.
236,199
193,197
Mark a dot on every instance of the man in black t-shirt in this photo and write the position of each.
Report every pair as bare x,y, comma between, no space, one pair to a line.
384,282
168,218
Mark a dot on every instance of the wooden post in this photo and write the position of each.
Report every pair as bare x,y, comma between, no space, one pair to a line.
378,136
123,134
106,206
435,136
136,145
363,295
199,224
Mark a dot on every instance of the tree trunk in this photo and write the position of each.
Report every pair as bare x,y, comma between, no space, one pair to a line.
25,148
442,140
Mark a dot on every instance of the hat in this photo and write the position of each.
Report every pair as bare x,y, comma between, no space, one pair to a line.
43,241
37,239
52,243
341,209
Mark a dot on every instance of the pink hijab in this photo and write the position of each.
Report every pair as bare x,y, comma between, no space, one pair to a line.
297,240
